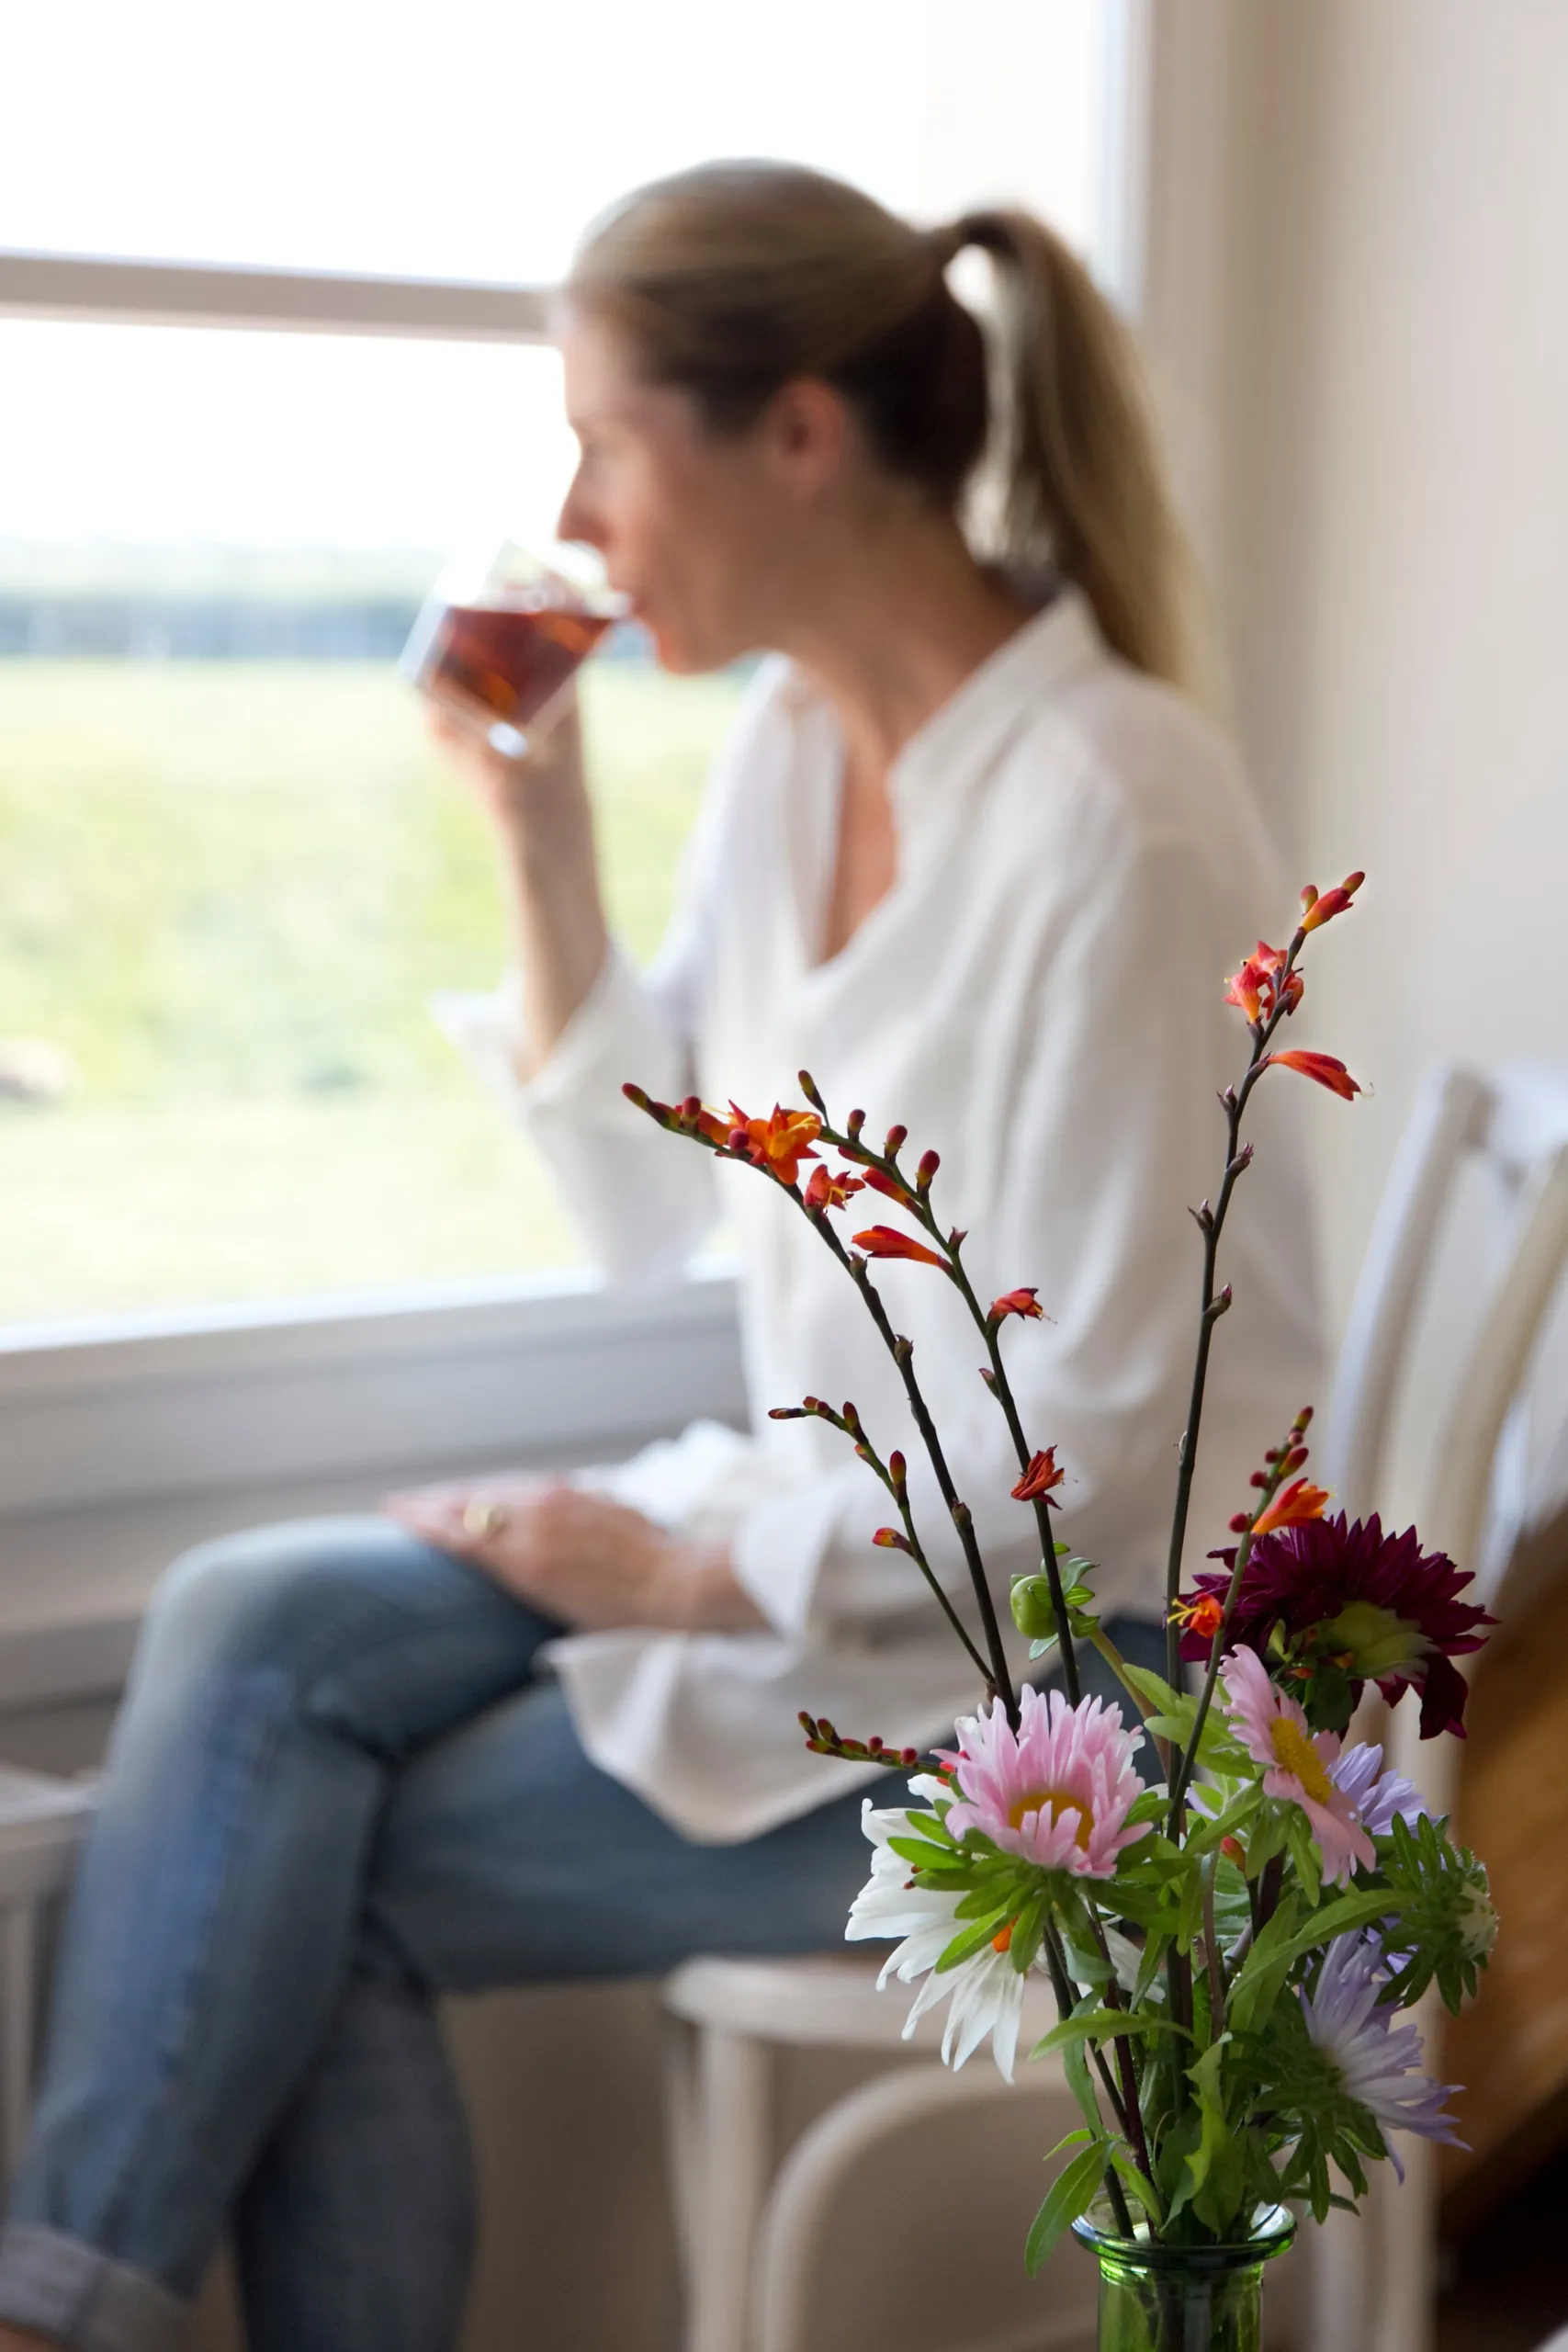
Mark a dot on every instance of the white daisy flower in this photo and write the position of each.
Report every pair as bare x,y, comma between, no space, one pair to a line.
985,1991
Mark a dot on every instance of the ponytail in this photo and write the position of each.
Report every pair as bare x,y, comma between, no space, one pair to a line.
1074,472
734,277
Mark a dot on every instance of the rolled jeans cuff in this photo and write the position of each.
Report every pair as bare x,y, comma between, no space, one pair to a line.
83,2298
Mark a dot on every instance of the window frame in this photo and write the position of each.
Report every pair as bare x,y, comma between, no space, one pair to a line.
104,1423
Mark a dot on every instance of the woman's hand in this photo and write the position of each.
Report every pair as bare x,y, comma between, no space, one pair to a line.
577,1557
543,789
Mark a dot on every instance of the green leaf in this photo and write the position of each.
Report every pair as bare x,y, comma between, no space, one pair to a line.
1075,2066
931,1826
1071,2193
1154,1688
920,1851
1139,2182
1205,1831
1335,1920
1102,2025
1304,1851
1029,1928
971,1940
1260,1979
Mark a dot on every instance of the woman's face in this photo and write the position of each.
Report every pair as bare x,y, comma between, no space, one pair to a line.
705,532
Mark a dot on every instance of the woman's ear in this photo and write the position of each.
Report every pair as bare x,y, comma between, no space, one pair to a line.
806,431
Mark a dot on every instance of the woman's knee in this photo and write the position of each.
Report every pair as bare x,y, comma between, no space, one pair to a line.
275,1594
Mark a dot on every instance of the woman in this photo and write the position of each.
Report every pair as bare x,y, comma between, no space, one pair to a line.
973,860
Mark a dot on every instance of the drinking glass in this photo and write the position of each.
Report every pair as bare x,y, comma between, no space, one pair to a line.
499,639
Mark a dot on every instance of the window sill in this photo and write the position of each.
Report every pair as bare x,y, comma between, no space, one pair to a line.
120,1444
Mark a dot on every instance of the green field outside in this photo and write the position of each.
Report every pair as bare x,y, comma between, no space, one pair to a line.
227,891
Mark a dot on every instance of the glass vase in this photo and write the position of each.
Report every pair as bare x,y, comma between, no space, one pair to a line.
1157,2298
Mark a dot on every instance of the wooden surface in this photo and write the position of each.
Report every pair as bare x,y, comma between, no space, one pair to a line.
1509,2048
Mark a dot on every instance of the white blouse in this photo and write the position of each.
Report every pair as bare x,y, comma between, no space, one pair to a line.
1038,997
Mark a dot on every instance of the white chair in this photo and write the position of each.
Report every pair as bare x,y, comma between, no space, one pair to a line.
750,2243
42,1823
1377,2287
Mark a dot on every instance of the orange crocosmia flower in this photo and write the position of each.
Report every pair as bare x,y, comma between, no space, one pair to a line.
1326,1068
1316,911
1202,1615
1042,1474
885,1241
780,1142
1301,1500
1016,1302
828,1191
889,1186
712,1125
1257,985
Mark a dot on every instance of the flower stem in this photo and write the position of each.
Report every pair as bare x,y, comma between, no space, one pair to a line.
1212,1951
899,1490
1287,1457
902,1353
1066,2002
1212,1224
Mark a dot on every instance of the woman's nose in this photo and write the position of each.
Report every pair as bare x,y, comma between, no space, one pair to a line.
578,523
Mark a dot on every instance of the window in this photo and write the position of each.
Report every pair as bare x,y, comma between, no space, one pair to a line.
234,868
230,869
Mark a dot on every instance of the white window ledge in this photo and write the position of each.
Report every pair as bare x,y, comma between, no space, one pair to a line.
121,1444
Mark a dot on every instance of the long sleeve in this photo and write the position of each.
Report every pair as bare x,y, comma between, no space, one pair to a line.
641,1207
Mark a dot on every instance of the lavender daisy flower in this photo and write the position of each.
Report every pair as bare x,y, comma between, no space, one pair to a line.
1377,1796
1375,2060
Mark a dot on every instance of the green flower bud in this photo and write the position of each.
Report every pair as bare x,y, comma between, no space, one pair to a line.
1032,1611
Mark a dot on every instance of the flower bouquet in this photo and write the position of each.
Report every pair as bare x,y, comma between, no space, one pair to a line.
1230,1944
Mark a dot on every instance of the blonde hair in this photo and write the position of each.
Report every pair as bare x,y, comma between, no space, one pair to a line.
732,279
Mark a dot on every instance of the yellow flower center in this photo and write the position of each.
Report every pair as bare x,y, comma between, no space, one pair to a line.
1295,1753
1040,1800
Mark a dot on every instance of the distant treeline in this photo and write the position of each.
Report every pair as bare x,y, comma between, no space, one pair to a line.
222,629
206,628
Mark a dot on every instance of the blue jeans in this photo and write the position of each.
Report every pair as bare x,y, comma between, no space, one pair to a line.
334,1791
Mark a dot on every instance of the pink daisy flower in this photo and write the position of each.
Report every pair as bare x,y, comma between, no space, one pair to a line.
1057,1790
1273,1730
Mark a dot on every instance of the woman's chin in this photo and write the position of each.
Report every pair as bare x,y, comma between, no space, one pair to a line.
675,654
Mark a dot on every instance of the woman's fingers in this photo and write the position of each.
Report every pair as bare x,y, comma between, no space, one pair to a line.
466,1516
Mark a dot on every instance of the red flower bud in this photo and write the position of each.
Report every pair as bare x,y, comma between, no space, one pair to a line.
889,1187
1323,1067
1316,911
884,1242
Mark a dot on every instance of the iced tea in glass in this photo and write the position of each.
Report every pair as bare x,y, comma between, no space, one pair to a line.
499,641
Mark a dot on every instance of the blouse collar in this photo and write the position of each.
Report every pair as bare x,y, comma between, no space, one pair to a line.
963,738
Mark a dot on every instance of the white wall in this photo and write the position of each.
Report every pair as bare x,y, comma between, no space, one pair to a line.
1396,502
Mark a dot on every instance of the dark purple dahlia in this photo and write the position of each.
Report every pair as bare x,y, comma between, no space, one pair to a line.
1331,1606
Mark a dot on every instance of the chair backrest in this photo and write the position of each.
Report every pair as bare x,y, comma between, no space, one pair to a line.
1515,1120
1378,2286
